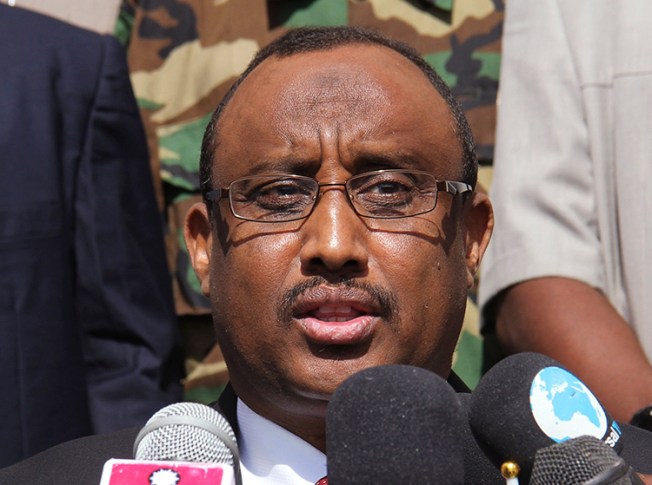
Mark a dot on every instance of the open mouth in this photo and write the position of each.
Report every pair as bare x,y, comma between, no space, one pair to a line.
344,314
332,313
336,323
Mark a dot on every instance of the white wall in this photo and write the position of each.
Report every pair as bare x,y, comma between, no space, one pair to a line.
98,15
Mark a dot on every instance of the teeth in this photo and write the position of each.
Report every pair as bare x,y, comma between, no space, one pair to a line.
334,309
335,313
335,319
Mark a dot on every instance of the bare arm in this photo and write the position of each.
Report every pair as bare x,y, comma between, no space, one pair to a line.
576,325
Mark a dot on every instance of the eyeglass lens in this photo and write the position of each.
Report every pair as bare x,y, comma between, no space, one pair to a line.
382,194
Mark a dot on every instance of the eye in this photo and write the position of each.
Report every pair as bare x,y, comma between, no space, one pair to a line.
264,198
280,189
384,185
282,192
389,194
387,187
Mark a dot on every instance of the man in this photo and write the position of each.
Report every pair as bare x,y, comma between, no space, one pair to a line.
333,292
341,231
88,339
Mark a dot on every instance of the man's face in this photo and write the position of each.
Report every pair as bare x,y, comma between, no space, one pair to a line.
300,306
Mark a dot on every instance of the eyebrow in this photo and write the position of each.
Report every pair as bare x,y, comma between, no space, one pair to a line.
362,162
368,161
285,165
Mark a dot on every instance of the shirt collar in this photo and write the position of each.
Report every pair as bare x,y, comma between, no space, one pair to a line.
270,454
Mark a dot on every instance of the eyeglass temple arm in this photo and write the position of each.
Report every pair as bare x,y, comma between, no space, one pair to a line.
454,188
216,194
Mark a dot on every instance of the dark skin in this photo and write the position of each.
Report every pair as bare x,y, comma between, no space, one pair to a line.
575,324
398,287
536,315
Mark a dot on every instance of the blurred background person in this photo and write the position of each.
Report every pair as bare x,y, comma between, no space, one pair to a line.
88,336
568,273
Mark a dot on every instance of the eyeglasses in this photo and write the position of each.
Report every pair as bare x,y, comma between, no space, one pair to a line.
382,194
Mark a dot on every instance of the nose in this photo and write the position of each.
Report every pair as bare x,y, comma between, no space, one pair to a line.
334,238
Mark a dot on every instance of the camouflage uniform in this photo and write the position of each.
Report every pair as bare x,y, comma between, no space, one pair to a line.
185,54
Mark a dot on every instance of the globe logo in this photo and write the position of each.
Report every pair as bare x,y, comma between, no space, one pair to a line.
564,408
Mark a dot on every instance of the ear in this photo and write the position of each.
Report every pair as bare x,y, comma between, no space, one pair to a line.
198,236
479,224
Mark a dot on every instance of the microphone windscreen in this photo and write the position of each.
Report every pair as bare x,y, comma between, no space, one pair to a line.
189,432
529,401
394,424
478,469
577,461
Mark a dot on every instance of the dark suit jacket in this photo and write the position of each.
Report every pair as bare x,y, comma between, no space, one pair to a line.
88,336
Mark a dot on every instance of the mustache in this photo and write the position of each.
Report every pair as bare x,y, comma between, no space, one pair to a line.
384,299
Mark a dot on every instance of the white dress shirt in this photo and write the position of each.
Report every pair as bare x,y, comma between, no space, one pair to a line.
270,454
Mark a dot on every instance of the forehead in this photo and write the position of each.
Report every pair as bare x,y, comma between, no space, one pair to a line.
359,97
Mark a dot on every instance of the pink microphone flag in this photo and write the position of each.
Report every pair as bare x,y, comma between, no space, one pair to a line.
137,472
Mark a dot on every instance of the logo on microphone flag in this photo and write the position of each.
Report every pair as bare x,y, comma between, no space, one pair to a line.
136,472
564,408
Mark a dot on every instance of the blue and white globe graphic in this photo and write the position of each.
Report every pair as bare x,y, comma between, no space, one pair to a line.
564,407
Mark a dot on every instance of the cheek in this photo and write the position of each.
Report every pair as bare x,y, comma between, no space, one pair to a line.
428,277
251,276
431,297
250,280
422,259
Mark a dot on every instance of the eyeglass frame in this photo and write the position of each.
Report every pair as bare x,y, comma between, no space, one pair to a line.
452,187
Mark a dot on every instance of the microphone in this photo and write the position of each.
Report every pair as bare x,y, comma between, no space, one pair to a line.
583,460
188,443
528,401
394,424
478,469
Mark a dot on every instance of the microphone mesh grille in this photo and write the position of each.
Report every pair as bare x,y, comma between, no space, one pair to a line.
574,462
187,442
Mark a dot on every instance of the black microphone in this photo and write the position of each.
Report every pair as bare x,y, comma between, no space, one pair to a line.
583,461
478,469
394,424
529,401
185,442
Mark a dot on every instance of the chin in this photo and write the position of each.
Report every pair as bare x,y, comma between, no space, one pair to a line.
333,366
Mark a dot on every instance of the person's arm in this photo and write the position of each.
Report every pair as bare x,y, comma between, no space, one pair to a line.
129,329
548,192
575,324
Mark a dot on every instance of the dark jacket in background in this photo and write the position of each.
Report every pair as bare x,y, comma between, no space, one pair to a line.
88,336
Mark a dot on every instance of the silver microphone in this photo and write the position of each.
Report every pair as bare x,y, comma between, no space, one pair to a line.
584,460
